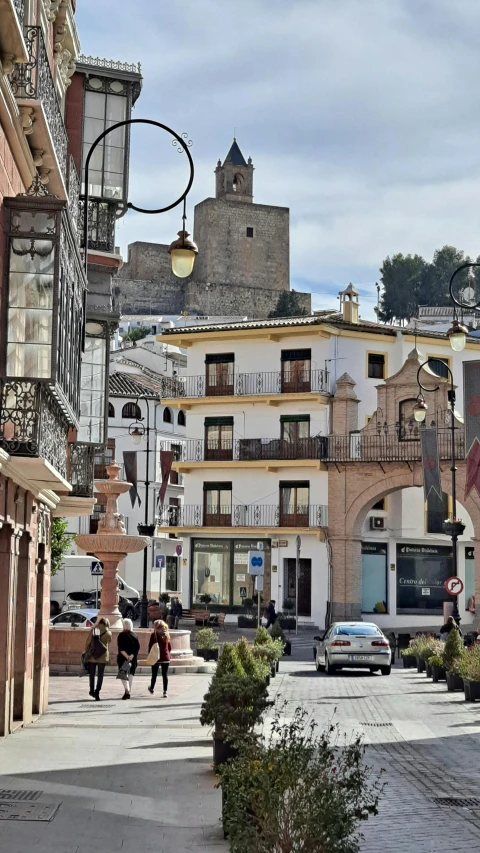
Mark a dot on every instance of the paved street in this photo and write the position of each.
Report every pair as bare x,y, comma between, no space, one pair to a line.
138,774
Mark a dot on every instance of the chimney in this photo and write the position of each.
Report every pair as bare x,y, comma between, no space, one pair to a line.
349,305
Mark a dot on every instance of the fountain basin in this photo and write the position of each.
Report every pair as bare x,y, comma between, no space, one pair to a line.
112,543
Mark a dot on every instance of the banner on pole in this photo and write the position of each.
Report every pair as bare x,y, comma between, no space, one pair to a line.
471,398
166,461
130,462
430,462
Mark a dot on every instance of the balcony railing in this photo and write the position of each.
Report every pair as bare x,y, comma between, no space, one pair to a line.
33,424
385,448
246,384
253,515
20,10
33,81
73,191
243,449
101,224
80,469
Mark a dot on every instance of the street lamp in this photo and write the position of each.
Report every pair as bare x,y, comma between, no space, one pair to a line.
137,430
457,334
453,528
182,251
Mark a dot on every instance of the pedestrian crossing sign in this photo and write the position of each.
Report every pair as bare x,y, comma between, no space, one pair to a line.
96,567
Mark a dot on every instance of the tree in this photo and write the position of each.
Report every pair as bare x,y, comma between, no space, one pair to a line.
402,277
288,305
436,277
61,541
137,334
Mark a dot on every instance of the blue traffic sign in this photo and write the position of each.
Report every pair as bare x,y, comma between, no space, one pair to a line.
256,563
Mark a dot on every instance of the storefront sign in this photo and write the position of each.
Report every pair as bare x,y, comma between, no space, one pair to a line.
240,578
215,545
421,574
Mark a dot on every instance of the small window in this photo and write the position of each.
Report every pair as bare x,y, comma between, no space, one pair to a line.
131,410
182,421
111,411
381,505
376,365
439,366
167,416
249,231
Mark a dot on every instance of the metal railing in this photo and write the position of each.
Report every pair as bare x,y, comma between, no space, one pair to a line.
33,80
385,448
80,469
246,384
20,10
101,224
73,194
238,515
243,449
33,424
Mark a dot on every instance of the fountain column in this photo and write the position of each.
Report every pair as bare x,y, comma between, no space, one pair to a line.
111,544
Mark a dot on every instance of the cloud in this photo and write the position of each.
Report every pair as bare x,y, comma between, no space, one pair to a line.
360,115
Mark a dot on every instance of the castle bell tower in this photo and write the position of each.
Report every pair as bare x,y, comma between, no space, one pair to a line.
234,179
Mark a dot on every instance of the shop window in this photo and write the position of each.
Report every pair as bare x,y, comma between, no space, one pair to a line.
421,574
294,503
217,504
437,512
374,577
219,369
171,574
376,365
296,370
212,570
219,438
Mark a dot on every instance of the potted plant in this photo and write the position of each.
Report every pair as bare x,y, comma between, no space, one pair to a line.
438,669
247,619
267,649
453,654
420,644
287,620
297,790
207,644
276,633
470,671
408,658
205,599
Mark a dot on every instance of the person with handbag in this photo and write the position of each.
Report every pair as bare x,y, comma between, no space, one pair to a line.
97,644
128,649
159,648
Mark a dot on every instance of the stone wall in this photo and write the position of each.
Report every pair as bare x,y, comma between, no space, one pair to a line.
218,299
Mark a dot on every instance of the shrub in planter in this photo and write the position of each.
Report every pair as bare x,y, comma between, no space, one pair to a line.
207,644
408,658
276,633
297,791
253,666
438,669
205,599
453,652
234,704
428,668
228,662
247,621
470,671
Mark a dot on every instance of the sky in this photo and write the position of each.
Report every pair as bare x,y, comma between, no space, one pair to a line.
361,116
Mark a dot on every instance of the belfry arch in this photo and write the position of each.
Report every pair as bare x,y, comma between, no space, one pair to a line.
367,465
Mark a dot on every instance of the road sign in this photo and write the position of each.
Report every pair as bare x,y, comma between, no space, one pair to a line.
256,563
454,586
96,567
160,561
259,583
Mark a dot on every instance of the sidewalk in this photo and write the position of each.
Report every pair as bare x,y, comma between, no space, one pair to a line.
125,775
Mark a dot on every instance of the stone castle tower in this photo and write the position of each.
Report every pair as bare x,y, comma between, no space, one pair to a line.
243,261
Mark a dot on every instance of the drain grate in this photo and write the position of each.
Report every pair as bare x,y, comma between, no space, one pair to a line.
10,795
28,811
376,725
465,802
94,706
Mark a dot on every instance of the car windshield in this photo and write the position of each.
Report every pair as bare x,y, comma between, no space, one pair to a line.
357,630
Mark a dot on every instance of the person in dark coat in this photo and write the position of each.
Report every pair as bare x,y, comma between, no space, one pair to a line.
161,636
270,613
450,625
98,640
176,612
128,649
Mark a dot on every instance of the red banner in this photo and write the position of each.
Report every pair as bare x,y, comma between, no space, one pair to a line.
471,402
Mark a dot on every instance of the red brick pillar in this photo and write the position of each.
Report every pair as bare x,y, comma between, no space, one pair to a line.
346,588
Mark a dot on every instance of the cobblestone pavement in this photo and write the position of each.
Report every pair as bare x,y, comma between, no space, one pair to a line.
137,775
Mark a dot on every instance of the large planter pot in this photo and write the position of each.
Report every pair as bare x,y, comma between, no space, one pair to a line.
287,622
222,750
277,665
246,622
207,654
267,680
288,648
421,665
409,661
472,690
454,682
438,674
428,669
273,670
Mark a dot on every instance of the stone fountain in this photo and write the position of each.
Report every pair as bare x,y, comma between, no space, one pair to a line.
111,543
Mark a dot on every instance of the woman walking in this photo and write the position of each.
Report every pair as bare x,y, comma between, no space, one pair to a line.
161,636
97,645
128,649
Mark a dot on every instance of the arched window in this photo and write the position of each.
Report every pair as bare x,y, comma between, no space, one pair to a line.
167,416
111,411
238,184
182,421
408,429
131,410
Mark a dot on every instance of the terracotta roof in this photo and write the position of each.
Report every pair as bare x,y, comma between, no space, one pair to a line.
127,385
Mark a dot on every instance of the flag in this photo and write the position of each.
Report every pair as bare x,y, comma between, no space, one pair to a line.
166,460
430,461
130,462
471,403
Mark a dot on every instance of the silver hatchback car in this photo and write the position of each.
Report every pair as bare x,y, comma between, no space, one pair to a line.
353,645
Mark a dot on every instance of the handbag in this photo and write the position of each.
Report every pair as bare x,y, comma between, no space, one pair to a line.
86,655
124,670
153,655
99,648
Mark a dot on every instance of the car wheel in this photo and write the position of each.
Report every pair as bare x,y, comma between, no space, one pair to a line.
314,652
329,668
320,667
386,670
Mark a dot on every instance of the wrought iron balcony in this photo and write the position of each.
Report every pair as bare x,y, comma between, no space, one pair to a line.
102,217
33,85
386,448
80,469
33,424
73,190
245,449
252,515
246,384
20,10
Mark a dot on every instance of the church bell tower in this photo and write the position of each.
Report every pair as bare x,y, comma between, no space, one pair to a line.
234,179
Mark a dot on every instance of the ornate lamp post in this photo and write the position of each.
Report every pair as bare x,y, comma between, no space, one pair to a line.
453,528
